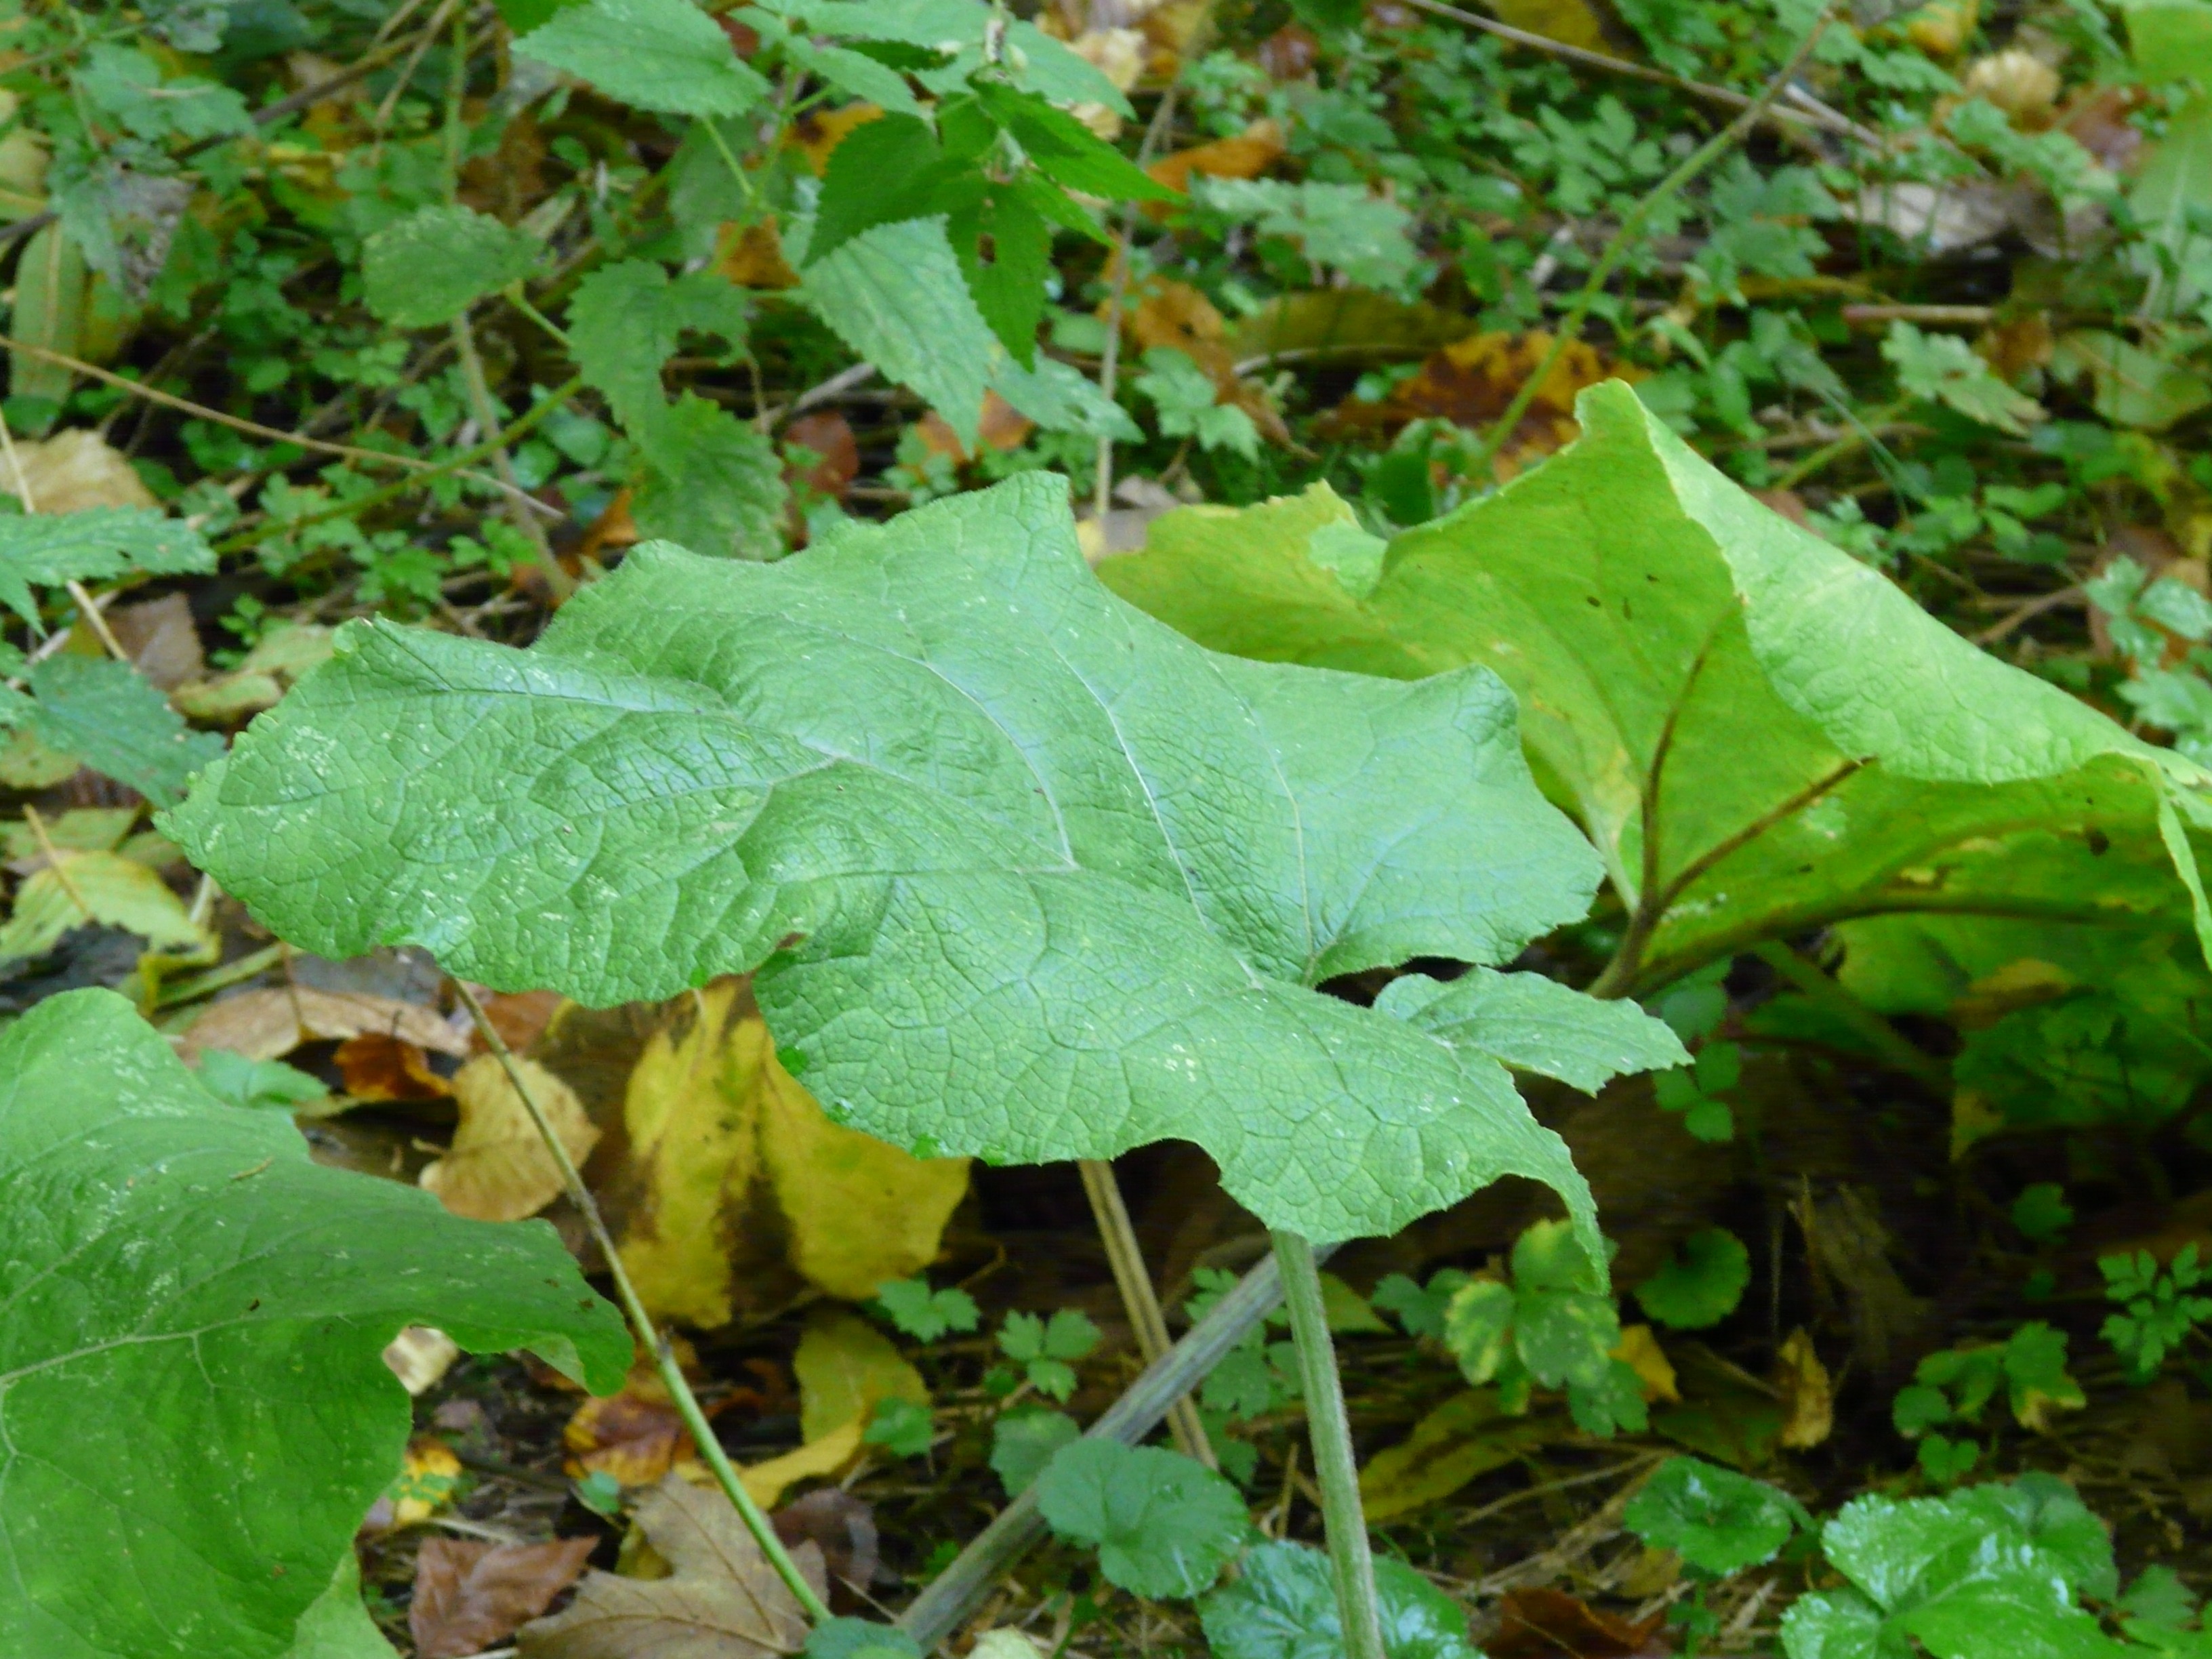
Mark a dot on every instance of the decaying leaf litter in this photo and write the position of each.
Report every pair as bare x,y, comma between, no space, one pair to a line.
435,314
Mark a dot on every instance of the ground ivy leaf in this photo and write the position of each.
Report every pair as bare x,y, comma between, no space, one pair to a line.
1700,1284
1025,874
194,1410
1626,587
1536,1024
1164,1524
666,55
1716,1520
429,268
1283,1606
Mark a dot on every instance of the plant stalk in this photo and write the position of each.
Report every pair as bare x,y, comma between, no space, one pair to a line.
1139,1299
1336,1468
672,1374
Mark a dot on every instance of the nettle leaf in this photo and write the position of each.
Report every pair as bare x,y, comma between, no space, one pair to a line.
989,836
710,482
429,268
48,550
1284,1606
958,27
1700,1284
110,717
1835,751
664,55
1536,1024
626,320
194,1407
1164,1524
1717,1521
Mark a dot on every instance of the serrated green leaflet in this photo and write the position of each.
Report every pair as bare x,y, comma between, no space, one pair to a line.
194,1410
1025,874
710,481
1283,1606
110,717
434,265
1829,750
626,320
666,55
47,550
1164,1524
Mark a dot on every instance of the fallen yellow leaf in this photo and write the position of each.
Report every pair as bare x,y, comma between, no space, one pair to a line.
499,1168
732,1168
1640,1350
846,1368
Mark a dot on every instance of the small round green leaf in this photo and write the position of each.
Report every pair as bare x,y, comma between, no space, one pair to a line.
1164,1524
1700,1284
1717,1521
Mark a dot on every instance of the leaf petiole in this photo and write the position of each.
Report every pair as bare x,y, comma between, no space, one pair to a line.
1336,1468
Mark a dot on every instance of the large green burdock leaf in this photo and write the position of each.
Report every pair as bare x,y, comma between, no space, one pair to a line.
194,1413
1025,874
1823,749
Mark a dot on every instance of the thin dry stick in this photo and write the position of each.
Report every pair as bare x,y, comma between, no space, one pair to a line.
54,862
240,423
75,589
1139,1300
672,1374
1631,227
1811,111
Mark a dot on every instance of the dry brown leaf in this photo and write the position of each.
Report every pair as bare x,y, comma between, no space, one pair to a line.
374,1066
720,1600
519,1017
71,470
751,256
1472,383
635,1436
498,1168
1549,1623
1290,53
268,1023
839,1524
1001,427
1246,155
815,133
828,436
160,639
728,1177
1808,1399
614,527
1162,312
471,1595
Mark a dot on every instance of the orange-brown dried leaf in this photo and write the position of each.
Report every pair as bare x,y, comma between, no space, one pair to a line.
374,1066
828,436
471,1595
614,527
1002,427
519,1017
1246,155
751,256
1290,53
1471,383
815,133
636,1436
1549,1623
